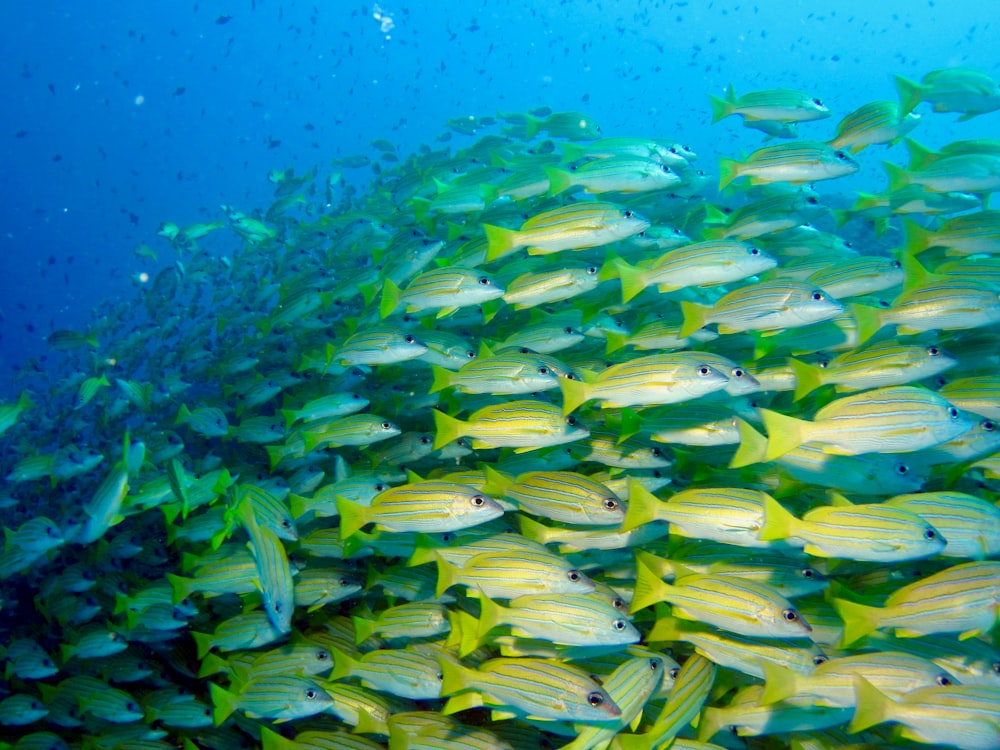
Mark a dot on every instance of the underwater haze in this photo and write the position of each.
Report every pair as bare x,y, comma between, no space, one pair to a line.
124,115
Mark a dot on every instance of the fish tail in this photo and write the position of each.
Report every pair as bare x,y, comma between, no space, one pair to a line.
223,704
614,341
784,433
868,320
729,170
695,317
633,280
807,378
363,628
711,721
859,620
343,664
271,740
916,239
203,641
390,299
535,531
910,94
352,517
721,109
921,157
873,706
467,628
642,506
752,448
447,576
899,178
559,180
489,616
447,429
441,379
575,394
649,589
779,683
501,241
180,586
778,522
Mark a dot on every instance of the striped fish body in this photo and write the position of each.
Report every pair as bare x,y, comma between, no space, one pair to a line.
746,717
380,346
967,173
543,287
875,533
739,606
767,306
567,619
872,124
572,227
961,599
798,162
853,277
448,287
621,174
980,395
949,305
565,497
523,425
969,234
832,683
777,105
735,651
970,524
649,380
510,575
428,506
277,697
504,373
896,419
691,689
964,716
533,687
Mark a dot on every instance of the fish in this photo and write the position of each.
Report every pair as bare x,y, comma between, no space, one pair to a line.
351,467
777,105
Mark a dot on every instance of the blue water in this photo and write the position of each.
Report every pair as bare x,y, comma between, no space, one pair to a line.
143,112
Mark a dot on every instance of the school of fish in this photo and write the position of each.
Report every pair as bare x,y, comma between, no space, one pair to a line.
551,441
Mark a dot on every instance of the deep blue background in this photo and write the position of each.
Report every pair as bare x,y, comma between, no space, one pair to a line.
115,120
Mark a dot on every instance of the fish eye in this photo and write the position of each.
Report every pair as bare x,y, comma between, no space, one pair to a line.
996,667
380,487
665,169
704,370
322,655
754,251
409,338
737,372
817,660
484,281
618,625
386,425
655,452
618,602
543,370
817,102
573,575
591,270
478,500
627,213
610,503
930,534
841,155
470,354
895,264
311,694
571,421
818,296
808,573
286,524
595,699
953,412
902,469
674,671
790,615
942,680
812,201
933,351
988,425
673,149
